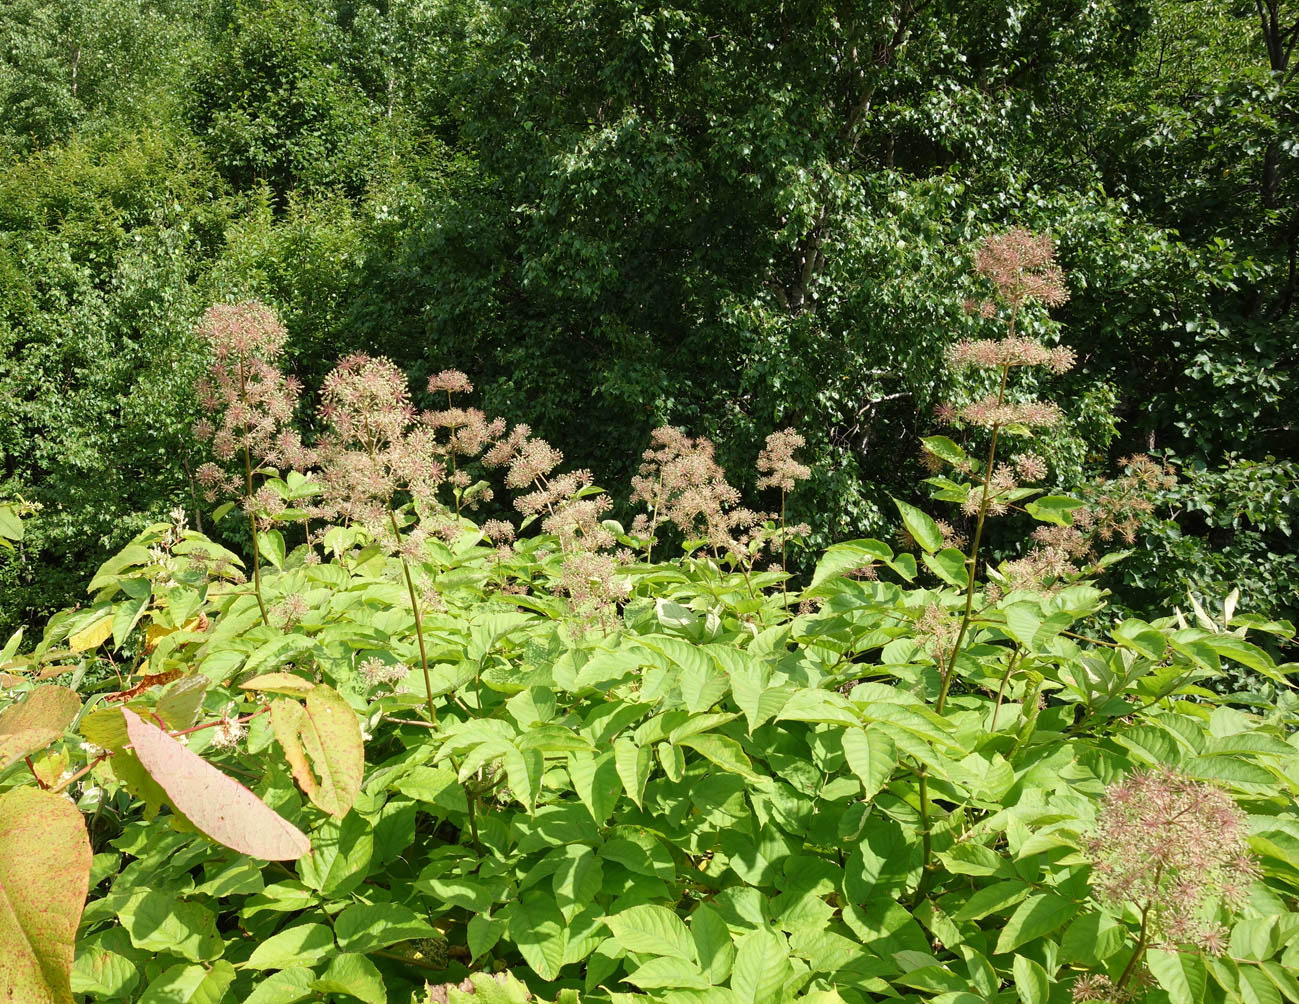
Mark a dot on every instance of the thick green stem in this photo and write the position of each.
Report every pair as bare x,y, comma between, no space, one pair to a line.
252,517
972,562
419,622
1131,967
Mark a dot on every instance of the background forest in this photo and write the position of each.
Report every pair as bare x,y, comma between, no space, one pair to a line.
731,218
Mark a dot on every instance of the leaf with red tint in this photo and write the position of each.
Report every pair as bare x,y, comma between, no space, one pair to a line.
44,876
36,722
217,805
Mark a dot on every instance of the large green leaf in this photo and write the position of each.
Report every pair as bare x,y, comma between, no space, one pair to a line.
872,756
191,984
158,921
761,968
538,930
1181,974
353,975
1040,914
924,531
361,927
652,930
303,944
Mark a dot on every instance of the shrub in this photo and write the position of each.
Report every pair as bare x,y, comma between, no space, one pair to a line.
420,759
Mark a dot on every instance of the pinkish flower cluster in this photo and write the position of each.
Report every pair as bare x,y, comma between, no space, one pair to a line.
1014,350
936,630
1022,267
250,401
991,412
681,483
1176,849
777,464
569,511
449,382
366,454
246,330
1116,507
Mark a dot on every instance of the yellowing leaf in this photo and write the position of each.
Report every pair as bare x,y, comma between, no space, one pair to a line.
36,722
92,635
279,683
322,743
217,805
45,860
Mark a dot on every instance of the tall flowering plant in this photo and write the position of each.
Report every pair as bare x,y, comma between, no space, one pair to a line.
250,404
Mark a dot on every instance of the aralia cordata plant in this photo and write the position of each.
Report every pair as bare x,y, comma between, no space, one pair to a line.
251,404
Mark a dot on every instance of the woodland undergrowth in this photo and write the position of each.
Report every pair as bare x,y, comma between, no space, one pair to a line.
404,749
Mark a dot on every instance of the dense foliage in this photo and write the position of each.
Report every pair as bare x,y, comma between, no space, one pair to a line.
394,755
731,218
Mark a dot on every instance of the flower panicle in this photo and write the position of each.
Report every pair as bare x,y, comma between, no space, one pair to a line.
1022,266
777,464
1176,848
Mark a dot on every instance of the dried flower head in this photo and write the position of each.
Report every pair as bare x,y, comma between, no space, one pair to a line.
1176,849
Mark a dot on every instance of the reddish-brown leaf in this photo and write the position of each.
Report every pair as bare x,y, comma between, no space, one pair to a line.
44,876
217,805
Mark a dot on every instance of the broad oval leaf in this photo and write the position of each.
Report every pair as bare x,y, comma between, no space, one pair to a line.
652,930
1036,916
539,932
872,756
45,859
218,806
279,683
922,528
323,745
